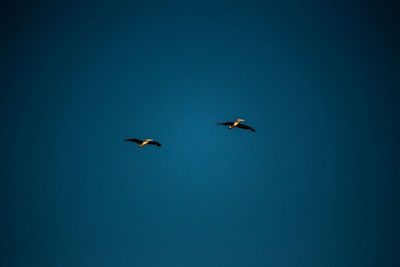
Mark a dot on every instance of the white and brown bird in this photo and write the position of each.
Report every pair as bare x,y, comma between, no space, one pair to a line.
237,123
143,143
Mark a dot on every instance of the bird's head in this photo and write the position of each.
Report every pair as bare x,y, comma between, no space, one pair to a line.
239,119
149,140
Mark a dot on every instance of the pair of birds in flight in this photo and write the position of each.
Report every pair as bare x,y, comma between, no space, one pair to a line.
232,124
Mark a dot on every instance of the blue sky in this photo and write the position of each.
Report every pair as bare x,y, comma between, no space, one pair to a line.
314,186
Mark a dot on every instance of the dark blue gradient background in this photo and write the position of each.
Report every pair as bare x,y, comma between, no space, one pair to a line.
316,185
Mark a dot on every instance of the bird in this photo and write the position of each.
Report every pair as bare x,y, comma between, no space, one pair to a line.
143,143
237,123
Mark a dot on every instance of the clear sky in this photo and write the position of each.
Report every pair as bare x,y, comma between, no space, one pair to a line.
316,185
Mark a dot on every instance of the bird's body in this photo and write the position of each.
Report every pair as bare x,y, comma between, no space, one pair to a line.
143,143
238,124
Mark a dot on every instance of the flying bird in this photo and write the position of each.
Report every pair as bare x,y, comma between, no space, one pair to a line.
233,124
143,143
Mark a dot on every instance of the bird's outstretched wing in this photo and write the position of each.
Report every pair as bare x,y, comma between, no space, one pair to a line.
225,123
154,143
246,127
134,140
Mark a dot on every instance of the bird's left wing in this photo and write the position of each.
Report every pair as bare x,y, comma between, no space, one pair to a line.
225,123
134,140
246,127
154,143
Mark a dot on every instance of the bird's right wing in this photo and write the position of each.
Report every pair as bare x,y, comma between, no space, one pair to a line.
244,126
154,143
134,140
225,123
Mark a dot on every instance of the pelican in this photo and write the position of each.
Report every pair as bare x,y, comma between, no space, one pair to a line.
237,123
143,143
